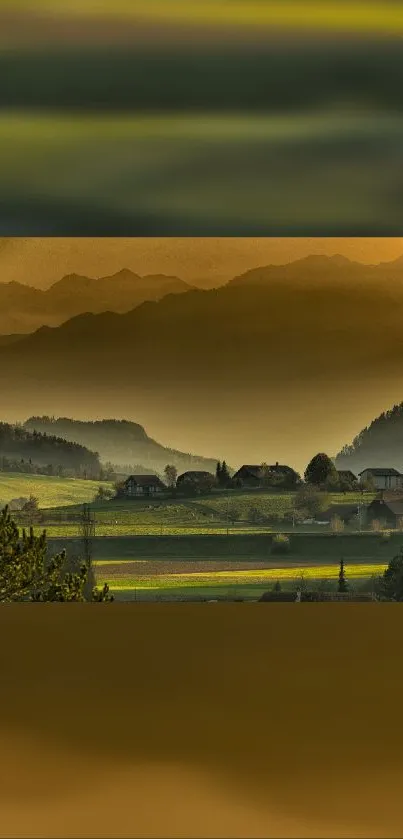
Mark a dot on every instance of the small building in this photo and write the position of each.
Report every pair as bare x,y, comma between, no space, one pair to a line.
345,512
256,476
383,478
387,510
196,480
346,476
140,485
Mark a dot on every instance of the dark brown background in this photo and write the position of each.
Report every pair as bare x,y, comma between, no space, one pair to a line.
210,720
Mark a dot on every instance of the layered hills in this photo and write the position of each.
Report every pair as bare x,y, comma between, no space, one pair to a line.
24,308
276,365
120,442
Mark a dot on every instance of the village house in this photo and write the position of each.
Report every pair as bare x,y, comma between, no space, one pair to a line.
383,478
141,485
346,512
387,510
346,476
255,476
196,480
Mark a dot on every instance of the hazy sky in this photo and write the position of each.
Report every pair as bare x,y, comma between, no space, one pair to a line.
41,262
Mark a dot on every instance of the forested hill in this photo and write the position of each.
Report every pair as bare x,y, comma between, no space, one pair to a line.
120,442
31,451
380,444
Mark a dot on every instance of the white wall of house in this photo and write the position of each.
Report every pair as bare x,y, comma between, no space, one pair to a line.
383,481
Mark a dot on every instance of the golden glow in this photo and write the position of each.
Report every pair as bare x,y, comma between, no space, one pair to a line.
43,261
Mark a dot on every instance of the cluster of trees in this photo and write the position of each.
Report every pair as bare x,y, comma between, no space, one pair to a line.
322,472
223,477
27,573
33,452
379,444
388,587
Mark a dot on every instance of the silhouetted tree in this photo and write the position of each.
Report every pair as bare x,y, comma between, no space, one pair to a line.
390,585
171,474
223,476
319,470
26,572
311,501
342,584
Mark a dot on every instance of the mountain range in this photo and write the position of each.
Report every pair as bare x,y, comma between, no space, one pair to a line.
278,364
24,308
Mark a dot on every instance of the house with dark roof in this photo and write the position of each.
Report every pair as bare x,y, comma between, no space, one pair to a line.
196,480
260,476
387,509
346,476
143,485
346,512
383,478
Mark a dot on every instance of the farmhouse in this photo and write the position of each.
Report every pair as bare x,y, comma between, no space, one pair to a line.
143,485
196,480
345,512
346,476
387,510
257,476
383,478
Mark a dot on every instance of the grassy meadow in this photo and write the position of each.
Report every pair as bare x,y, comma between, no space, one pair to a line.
50,491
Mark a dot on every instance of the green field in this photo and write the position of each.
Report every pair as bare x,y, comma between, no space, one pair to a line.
50,491
240,565
185,548
62,499
142,580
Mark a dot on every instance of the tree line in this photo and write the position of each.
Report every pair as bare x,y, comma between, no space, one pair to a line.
39,453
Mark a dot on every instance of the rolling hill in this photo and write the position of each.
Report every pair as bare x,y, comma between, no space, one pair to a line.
24,308
120,442
24,450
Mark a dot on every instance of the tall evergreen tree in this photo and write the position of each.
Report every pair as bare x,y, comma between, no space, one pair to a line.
27,573
218,472
225,476
342,584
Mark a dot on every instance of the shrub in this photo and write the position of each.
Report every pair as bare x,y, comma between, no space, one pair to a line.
312,501
311,596
280,544
278,597
234,513
254,515
336,524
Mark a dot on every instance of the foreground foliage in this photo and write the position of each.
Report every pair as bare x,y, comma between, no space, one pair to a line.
390,585
27,573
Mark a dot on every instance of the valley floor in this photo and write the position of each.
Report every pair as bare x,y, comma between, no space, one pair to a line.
181,549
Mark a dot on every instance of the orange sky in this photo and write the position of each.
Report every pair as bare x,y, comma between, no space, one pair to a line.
43,261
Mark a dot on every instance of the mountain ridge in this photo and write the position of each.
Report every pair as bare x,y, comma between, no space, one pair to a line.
24,308
119,441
